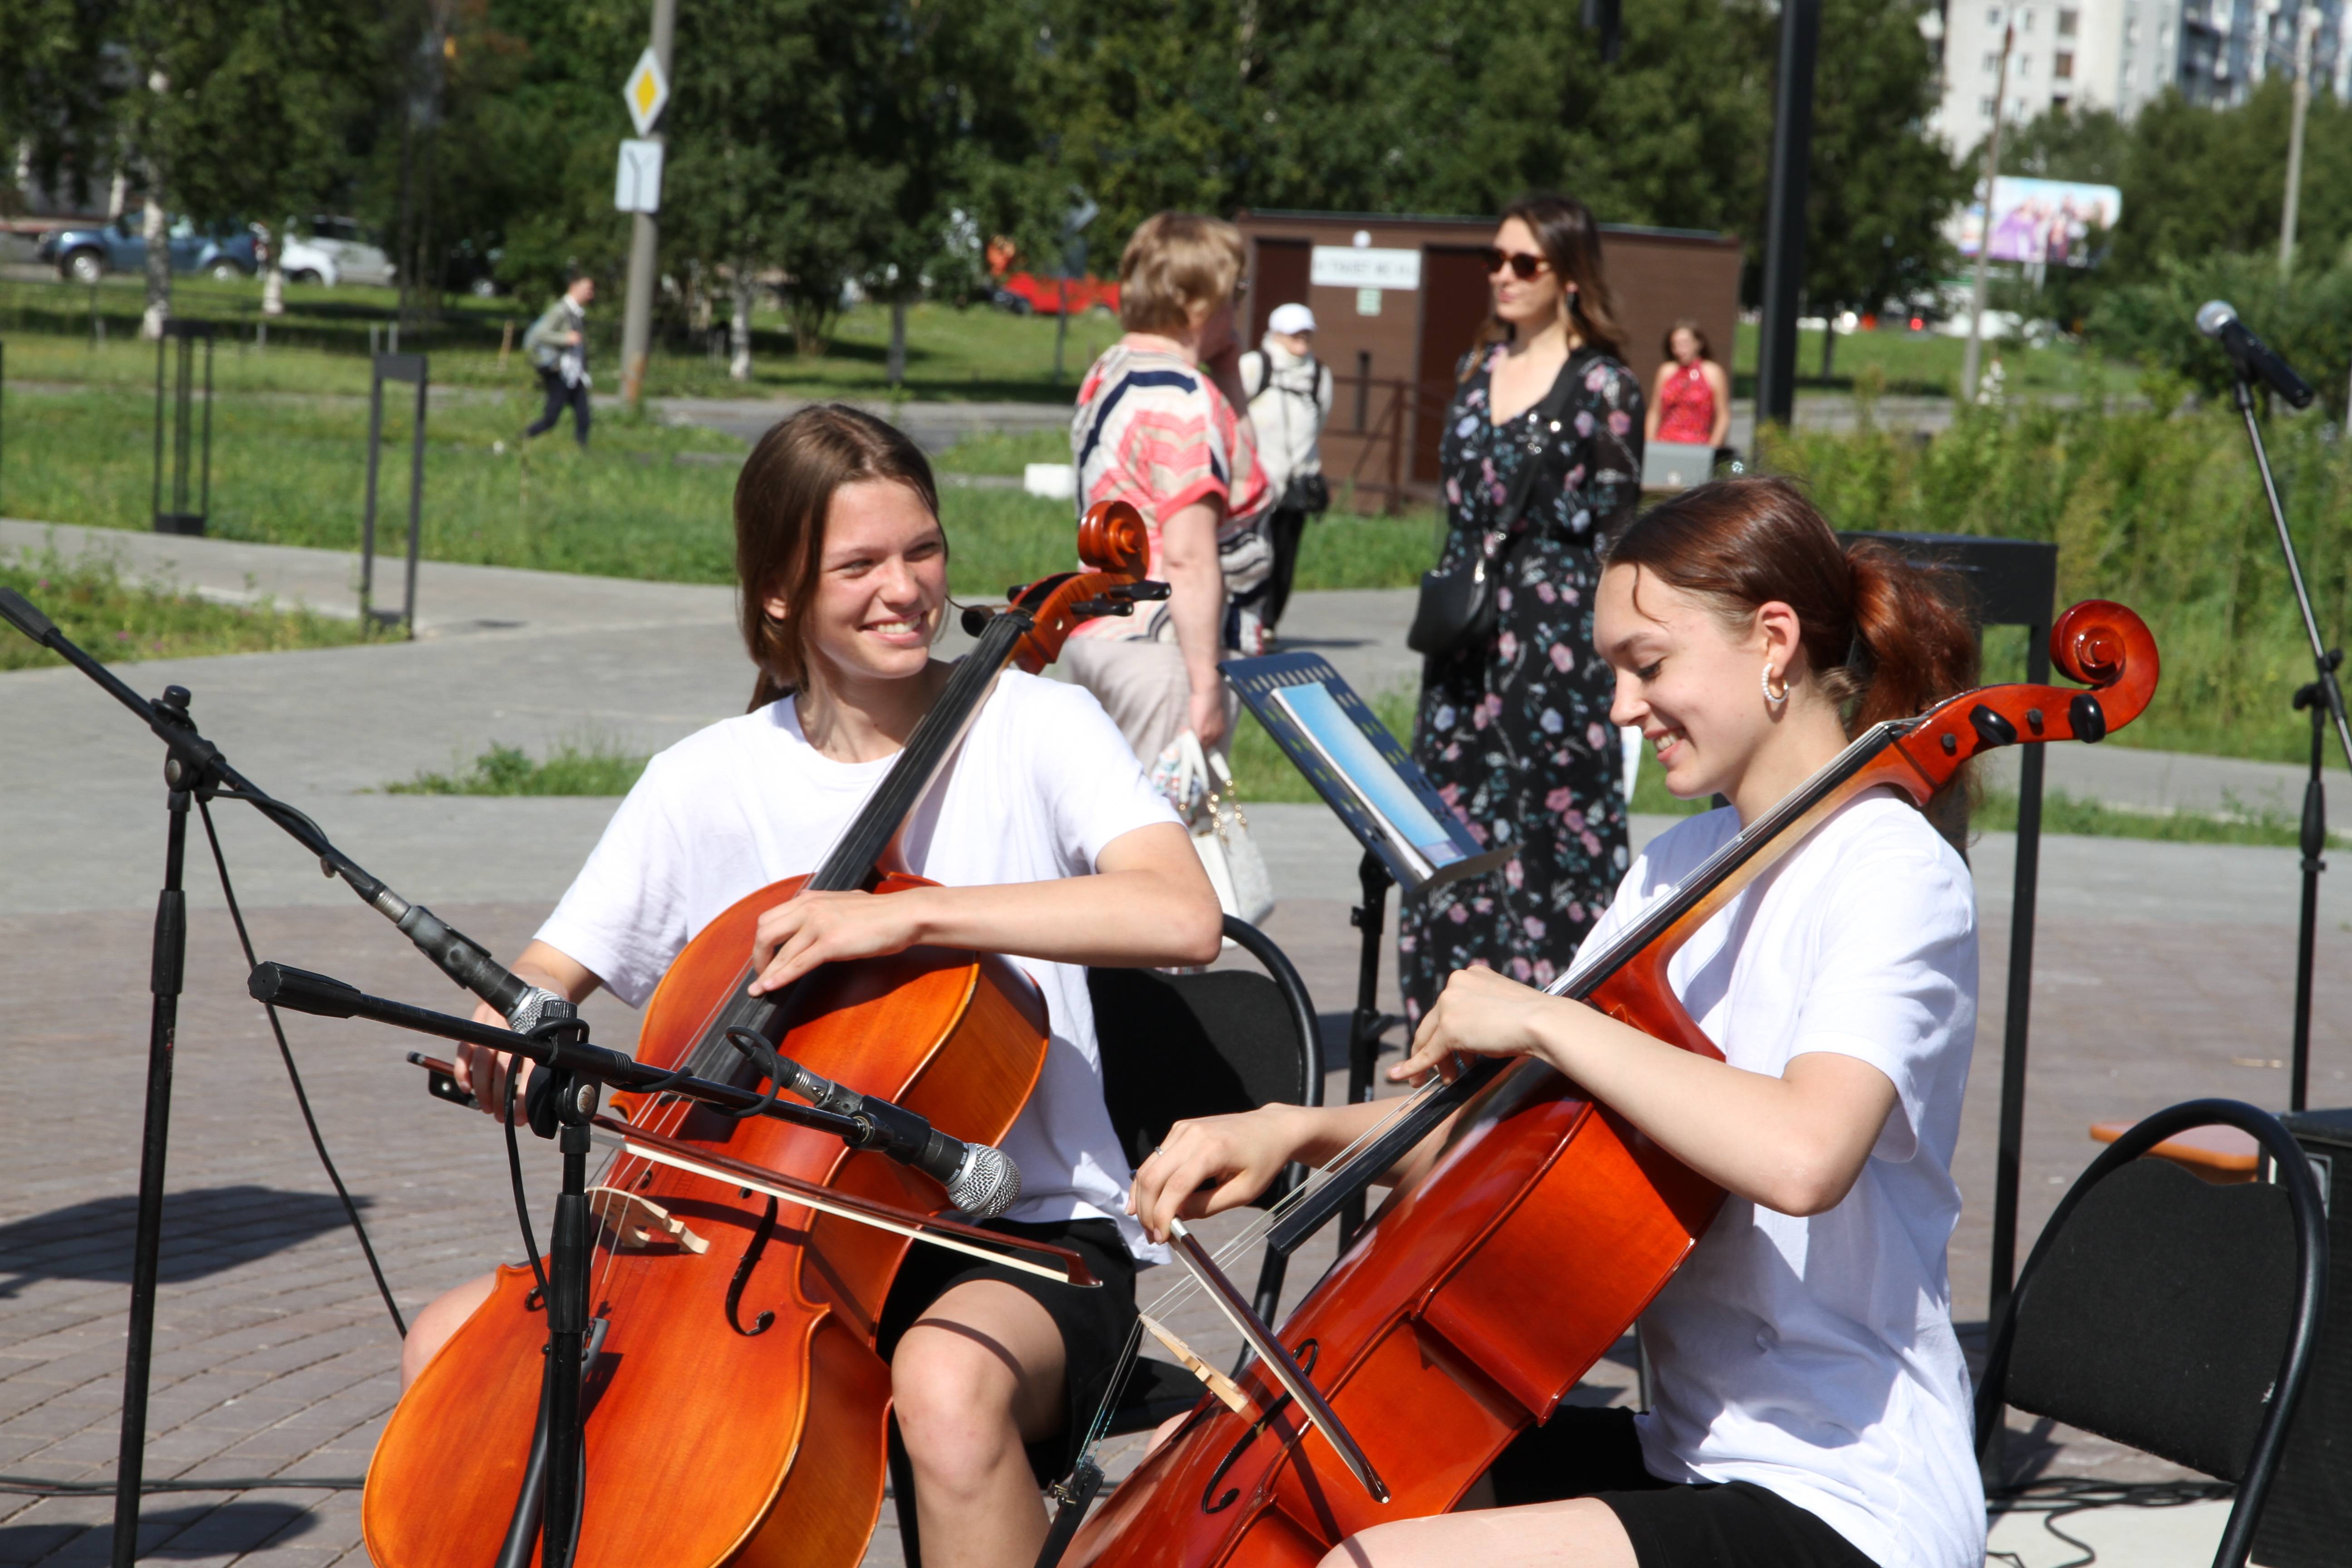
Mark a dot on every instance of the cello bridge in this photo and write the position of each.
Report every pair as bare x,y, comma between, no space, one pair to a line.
637,1222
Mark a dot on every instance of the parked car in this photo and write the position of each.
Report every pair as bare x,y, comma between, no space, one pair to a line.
336,250
85,255
1026,294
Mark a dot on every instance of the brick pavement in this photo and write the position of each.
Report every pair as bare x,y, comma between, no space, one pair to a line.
275,1357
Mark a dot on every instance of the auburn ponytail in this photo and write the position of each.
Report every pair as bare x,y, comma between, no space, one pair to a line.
1886,639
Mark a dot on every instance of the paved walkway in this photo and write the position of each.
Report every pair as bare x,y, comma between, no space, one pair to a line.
2163,972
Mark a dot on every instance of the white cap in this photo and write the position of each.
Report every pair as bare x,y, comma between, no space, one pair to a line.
1290,319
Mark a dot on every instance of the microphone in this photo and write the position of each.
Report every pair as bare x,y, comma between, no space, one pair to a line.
2254,359
523,1005
981,1180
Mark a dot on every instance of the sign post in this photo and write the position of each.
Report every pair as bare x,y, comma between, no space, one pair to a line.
637,190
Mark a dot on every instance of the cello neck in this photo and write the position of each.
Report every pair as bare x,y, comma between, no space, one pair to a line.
852,861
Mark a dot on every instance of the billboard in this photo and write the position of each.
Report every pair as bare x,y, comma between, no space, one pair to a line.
2040,221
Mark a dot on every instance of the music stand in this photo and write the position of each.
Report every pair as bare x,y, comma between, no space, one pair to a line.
1412,838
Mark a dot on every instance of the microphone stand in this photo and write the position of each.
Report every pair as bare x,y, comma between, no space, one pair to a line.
193,770
563,1101
2325,699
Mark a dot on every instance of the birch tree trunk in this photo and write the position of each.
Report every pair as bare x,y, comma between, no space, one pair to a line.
739,366
159,263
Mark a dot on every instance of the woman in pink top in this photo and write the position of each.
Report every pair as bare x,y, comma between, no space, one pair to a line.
1159,424
1692,404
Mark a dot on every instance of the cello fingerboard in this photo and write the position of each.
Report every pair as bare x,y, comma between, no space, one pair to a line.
850,864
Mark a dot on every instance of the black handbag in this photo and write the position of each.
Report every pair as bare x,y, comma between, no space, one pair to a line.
1307,493
1456,609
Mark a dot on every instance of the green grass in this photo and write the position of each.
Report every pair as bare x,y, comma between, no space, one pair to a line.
1895,360
320,344
290,469
590,766
999,452
2237,822
118,621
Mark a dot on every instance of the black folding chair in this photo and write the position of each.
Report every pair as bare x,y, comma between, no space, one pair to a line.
1179,1046
1176,1046
2171,1314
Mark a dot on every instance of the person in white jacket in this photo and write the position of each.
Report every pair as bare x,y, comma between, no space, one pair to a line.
1290,397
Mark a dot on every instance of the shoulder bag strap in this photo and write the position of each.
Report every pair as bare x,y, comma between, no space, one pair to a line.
1547,413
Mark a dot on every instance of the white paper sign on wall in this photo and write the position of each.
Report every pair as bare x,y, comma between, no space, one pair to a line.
1349,267
637,185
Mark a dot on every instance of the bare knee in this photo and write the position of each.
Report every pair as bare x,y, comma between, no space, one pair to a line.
442,1318
954,1400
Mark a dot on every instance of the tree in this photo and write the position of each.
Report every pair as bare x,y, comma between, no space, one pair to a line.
731,127
60,89
1882,187
256,128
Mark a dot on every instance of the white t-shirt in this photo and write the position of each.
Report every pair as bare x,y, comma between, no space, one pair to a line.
1042,782
1815,1358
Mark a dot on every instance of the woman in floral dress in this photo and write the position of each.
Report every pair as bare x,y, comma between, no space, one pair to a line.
1515,732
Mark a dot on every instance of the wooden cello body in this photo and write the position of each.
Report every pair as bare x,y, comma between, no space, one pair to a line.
1481,1295
735,1409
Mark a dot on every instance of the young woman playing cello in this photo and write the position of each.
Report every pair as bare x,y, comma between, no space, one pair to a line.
1811,1403
1053,849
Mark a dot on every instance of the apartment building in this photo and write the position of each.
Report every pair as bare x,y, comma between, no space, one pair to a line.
2118,54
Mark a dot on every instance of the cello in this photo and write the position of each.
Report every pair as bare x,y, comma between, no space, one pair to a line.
735,1411
1448,1326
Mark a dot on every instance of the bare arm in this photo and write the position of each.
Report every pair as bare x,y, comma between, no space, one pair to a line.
1795,1143
1219,1162
1148,902
1718,381
482,1071
1196,602
1657,396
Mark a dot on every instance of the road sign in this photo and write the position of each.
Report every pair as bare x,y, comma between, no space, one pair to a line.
646,92
637,185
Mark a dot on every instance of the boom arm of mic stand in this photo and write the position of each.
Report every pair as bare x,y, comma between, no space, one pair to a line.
197,765
301,991
2329,689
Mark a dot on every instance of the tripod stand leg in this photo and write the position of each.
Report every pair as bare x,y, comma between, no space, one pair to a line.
165,977
2315,848
1366,1025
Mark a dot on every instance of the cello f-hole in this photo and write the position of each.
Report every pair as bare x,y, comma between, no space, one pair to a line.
1209,1502
759,1324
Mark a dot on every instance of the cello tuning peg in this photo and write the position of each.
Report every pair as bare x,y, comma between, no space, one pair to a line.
975,620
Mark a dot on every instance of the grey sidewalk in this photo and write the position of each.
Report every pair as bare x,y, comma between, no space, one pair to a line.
2163,972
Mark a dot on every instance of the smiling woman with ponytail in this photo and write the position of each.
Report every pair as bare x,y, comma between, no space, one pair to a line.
1810,1408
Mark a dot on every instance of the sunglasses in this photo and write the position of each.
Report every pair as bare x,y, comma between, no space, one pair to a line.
1522,264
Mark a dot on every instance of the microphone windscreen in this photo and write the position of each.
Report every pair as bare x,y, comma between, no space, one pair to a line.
987,1183
2214,315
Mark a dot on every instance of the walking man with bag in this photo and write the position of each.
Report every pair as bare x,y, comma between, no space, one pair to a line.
1289,393
558,346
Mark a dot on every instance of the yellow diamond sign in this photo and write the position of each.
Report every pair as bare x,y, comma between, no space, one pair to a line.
645,92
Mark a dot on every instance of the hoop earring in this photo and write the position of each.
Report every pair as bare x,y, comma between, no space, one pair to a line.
1774,697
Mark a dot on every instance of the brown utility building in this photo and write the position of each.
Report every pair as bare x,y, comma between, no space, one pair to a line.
1398,299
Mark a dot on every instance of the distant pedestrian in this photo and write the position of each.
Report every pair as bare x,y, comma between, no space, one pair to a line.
1514,726
558,346
1159,424
1289,393
1692,405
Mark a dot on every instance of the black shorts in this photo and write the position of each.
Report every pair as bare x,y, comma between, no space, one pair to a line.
1586,1452
1095,1323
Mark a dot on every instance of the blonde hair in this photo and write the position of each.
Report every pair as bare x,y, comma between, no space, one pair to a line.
1173,261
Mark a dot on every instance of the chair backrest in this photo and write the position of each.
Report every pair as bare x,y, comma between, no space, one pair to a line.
2170,1313
2160,1314
1176,1046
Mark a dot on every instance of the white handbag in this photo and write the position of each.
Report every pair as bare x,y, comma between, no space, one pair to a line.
1221,834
